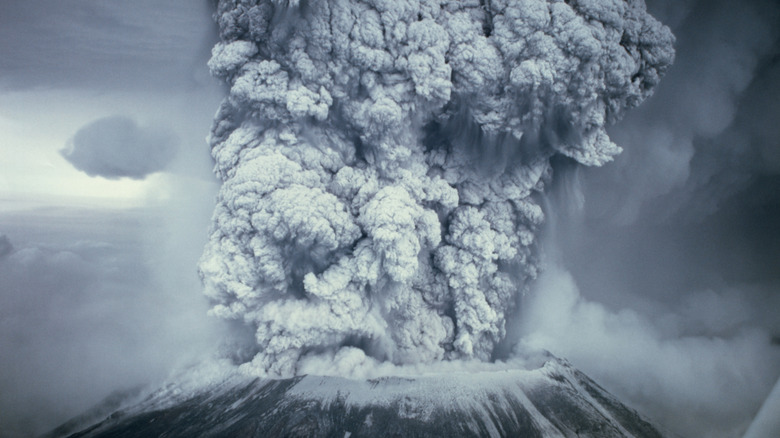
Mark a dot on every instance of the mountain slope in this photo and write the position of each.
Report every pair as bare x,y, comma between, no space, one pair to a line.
551,401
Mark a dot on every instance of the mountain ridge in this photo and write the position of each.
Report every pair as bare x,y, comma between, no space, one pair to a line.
553,400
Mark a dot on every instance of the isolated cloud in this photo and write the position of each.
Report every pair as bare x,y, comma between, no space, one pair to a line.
382,162
116,147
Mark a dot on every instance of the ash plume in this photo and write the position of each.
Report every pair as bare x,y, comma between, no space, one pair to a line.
382,164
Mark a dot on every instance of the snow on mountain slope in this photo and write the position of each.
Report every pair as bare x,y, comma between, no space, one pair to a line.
552,400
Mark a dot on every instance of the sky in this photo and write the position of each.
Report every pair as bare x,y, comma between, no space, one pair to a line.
661,277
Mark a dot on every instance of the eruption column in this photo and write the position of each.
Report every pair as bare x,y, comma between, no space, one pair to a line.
382,162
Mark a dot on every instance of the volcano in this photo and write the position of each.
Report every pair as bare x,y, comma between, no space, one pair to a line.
551,400
383,167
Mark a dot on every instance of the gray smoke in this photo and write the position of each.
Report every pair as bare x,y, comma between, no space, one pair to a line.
116,147
382,164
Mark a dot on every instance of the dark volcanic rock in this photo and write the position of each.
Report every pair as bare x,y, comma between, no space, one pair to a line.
553,400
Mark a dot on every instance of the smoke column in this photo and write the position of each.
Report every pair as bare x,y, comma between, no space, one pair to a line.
383,164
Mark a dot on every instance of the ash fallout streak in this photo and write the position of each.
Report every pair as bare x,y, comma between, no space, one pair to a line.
382,165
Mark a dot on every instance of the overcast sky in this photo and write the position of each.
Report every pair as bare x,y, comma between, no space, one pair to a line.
662,280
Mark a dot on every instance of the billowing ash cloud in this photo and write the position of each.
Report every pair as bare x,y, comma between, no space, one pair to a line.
381,163
116,147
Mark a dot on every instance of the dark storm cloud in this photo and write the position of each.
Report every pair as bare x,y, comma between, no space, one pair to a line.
694,199
669,284
115,147
711,129
83,43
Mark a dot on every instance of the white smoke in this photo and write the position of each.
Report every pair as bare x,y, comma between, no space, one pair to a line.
381,163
